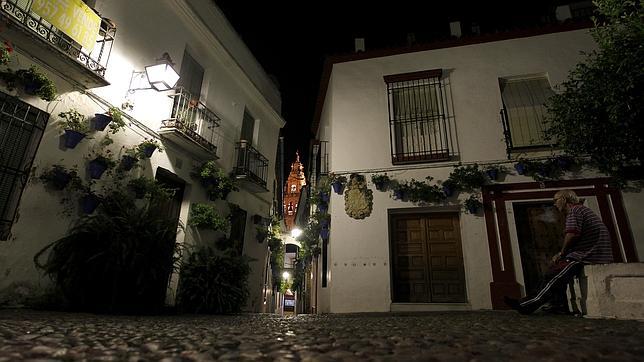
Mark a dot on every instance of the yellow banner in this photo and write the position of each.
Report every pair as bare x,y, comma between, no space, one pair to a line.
72,17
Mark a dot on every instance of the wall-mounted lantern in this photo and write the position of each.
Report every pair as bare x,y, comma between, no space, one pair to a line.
160,76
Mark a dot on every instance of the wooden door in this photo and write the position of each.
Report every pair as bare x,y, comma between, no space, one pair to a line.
427,259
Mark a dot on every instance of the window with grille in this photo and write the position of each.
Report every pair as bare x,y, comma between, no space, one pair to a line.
248,127
418,117
524,111
21,129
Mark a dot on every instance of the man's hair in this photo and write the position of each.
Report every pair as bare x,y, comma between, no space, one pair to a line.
569,195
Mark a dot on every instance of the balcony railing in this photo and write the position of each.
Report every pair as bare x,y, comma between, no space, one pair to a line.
36,36
251,167
192,125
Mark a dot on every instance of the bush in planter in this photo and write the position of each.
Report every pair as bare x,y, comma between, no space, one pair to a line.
58,177
381,182
418,191
117,260
213,281
473,204
36,83
146,148
100,163
493,171
338,183
217,184
75,125
206,216
467,178
143,186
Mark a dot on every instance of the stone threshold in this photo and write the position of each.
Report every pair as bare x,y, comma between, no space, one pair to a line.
429,307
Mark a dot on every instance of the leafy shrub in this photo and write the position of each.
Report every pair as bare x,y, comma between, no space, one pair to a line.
206,216
117,260
217,184
74,121
213,282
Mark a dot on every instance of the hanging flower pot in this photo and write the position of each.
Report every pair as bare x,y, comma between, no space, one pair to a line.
448,190
324,222
149,150
31,88
72,138
564,162
323,207
89,203
399,194
324,233
101,121
60,179
472,209
96,168
324,197
492,174
521,168
127,162
338,187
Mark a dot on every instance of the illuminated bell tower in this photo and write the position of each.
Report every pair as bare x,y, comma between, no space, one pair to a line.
296,180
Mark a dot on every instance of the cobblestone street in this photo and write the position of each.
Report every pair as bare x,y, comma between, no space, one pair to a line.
455,336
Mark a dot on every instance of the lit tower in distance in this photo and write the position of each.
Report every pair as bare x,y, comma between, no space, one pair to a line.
296,180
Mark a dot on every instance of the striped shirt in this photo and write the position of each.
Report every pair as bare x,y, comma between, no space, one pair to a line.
593,245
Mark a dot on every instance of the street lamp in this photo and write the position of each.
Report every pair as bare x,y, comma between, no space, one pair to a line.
295,233
160,76
285,275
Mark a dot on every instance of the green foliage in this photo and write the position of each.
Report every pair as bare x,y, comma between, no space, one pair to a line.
285,285
117,123
382,182
74,121
600,109
205,216
466,178
213,282
473,203
116,260
145,186
32,78
418,191
60,177
5,52
217,184
277,260
141,147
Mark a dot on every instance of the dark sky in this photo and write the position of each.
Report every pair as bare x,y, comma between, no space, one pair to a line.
291,39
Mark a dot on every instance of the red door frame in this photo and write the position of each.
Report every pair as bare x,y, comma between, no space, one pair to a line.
610,204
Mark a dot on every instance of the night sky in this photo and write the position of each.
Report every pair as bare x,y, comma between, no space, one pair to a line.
291,39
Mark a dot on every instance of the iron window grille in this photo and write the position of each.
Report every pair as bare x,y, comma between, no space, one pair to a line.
194,119
96,60
419,126
524,112
21,129
251,165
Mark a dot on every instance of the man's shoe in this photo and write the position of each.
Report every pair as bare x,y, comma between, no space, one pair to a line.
556,309
516,305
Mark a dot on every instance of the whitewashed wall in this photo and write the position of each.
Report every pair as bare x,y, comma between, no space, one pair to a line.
232,81
355,121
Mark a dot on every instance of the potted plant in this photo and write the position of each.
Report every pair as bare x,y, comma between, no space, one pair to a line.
205,216
467,178
146,186
129,159
58,177
324,233
101,163
338,183
75,126
112,117
521,166
5,52
473,204
448,187
216,182
261,234
36,83
146,148
89,202
380,181
493,171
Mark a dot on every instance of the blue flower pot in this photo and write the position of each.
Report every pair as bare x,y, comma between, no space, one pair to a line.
89,203
448,190
149,150
324,223
324,233
323,207
492,174
398,194
338,187
564,163
96,169
472,209
521,168
72,138
127,162
324,197
101,121
60,179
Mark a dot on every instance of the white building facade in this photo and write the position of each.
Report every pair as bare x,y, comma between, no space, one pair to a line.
418,113
235,110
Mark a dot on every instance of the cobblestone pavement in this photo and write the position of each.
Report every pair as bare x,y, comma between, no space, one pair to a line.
446,336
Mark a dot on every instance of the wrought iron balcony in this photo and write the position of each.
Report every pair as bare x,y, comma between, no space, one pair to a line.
251,168
44,41
192,125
